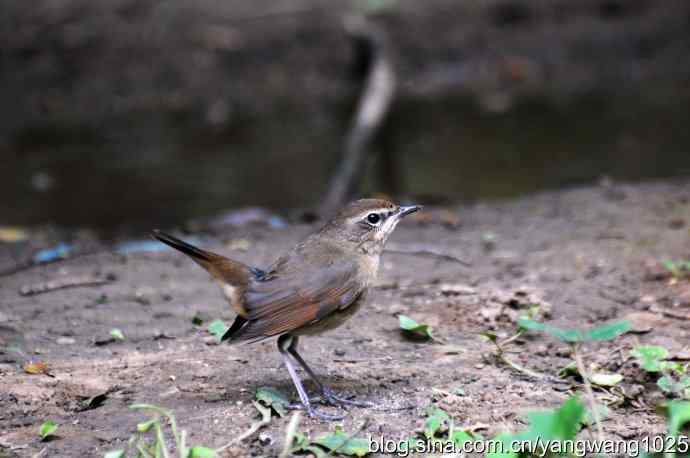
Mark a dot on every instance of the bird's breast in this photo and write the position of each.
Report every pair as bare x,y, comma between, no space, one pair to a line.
369,269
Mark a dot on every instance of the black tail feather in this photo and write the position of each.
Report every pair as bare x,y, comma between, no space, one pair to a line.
178,244
232,330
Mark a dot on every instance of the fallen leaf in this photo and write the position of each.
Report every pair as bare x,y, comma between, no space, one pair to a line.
38,367
95,401
47,429
117,334
413,329
217,328
273,398
201,452
603,379
650,357
437,421
11,234
115,454
344,444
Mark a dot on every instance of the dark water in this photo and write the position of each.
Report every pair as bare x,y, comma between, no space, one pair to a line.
166,168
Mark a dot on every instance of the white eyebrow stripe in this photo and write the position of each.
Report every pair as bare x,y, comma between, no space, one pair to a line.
364,214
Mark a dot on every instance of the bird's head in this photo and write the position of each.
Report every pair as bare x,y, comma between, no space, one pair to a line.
367,223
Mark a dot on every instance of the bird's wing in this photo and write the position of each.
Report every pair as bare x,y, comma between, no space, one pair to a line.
288,300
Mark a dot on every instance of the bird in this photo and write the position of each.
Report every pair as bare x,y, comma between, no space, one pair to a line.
313,288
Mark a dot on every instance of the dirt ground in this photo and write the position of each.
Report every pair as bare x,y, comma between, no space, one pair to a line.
588,255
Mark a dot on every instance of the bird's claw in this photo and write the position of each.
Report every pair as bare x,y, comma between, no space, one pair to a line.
333,399
315,413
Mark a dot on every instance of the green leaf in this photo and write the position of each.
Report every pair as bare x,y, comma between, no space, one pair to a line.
299,441
413,444
437,421
413,329
460,437
666,384
649,357
490,335
604,332
560,424
47,429
505,451
301,444
568,370
117,334
669,385
315,450
115,454
672,366
567,335
344,444
608,331
602,412
145,426
603,379
217,328
273,398
678,415
201,452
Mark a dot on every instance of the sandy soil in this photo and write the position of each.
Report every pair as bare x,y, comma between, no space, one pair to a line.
587,255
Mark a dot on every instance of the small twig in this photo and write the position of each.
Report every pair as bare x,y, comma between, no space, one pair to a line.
257,425
588,390
39,454
143,451
62,283
430,254
182,444
31,263
160,441
290,434
671,313
512,338
520,368
500,354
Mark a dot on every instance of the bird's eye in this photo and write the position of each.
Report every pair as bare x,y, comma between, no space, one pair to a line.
373,218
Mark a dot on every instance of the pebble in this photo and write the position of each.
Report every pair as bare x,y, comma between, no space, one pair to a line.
457,289
211,340
265,439
65,341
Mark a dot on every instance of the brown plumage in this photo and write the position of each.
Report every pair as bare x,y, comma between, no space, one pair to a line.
314,287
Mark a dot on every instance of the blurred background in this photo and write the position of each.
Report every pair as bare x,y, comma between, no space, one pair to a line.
139,113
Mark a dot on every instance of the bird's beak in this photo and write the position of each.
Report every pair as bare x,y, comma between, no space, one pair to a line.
406,210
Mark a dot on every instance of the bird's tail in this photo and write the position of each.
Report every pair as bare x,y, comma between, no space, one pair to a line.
227,271
190,250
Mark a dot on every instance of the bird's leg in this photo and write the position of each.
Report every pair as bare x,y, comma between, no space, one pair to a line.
327,394
284,343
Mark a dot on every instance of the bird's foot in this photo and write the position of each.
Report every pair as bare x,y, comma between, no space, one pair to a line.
329,397
333,399
324,416
312,412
